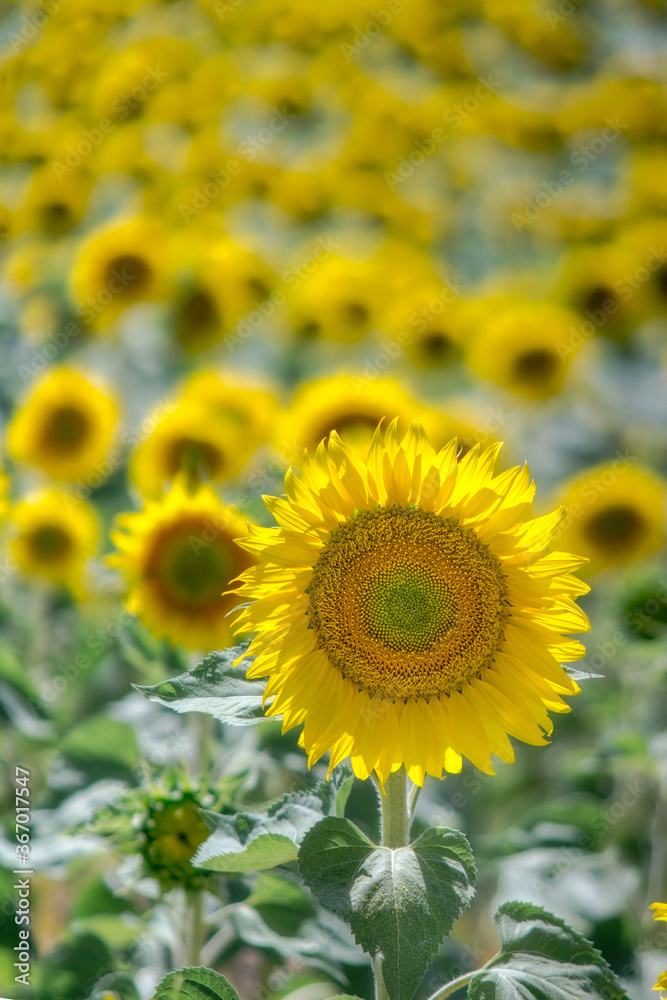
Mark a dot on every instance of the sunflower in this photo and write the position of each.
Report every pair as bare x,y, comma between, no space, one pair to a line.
118,266
430,323
527,348
244,404
351,405
596,280
192,439
178,555
341,300
53,205
55,534
214,288
616,514
407,610
660,914
65,426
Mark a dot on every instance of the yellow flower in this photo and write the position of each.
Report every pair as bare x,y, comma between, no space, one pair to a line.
406,609
244,404
53,205
616,514
118,266
340,300
178,556
430,324
65,427
660,914
351,405
596,279
639,107
214,288
528,348
56,534
190,439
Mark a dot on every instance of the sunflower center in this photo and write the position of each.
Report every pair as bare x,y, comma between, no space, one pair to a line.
617,527
194,456
191,564
56,217
49,543
130,271
66,429
355,313
437,346
407,604
535,366
599,297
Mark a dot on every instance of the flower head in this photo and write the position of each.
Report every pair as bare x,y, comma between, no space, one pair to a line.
65,427
55,534
407,610
178,556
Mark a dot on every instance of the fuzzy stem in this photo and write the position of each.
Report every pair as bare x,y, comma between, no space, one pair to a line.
394,809
449,988
195,927
395,832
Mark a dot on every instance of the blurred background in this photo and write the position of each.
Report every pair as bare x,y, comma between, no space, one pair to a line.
226,228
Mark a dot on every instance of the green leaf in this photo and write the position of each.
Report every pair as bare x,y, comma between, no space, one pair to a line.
541,958
215,687
253,841
195,984
399,902
102,739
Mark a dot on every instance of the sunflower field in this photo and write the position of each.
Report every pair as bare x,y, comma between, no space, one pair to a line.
308,689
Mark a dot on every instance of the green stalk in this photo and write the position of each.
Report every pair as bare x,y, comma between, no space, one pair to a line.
449,988
394,810
194,926
395,832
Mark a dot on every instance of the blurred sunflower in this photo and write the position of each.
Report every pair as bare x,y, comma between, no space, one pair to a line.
216,283
430,324
244,404
594,281
56,534
65,427
616,514
116,267
637,103
340,300
178,555
527,348
660,914
353,406
406,609
192,439
53,205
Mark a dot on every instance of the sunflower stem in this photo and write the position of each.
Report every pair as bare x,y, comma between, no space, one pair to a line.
453,986
195,927
380,988
395,820
395,827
